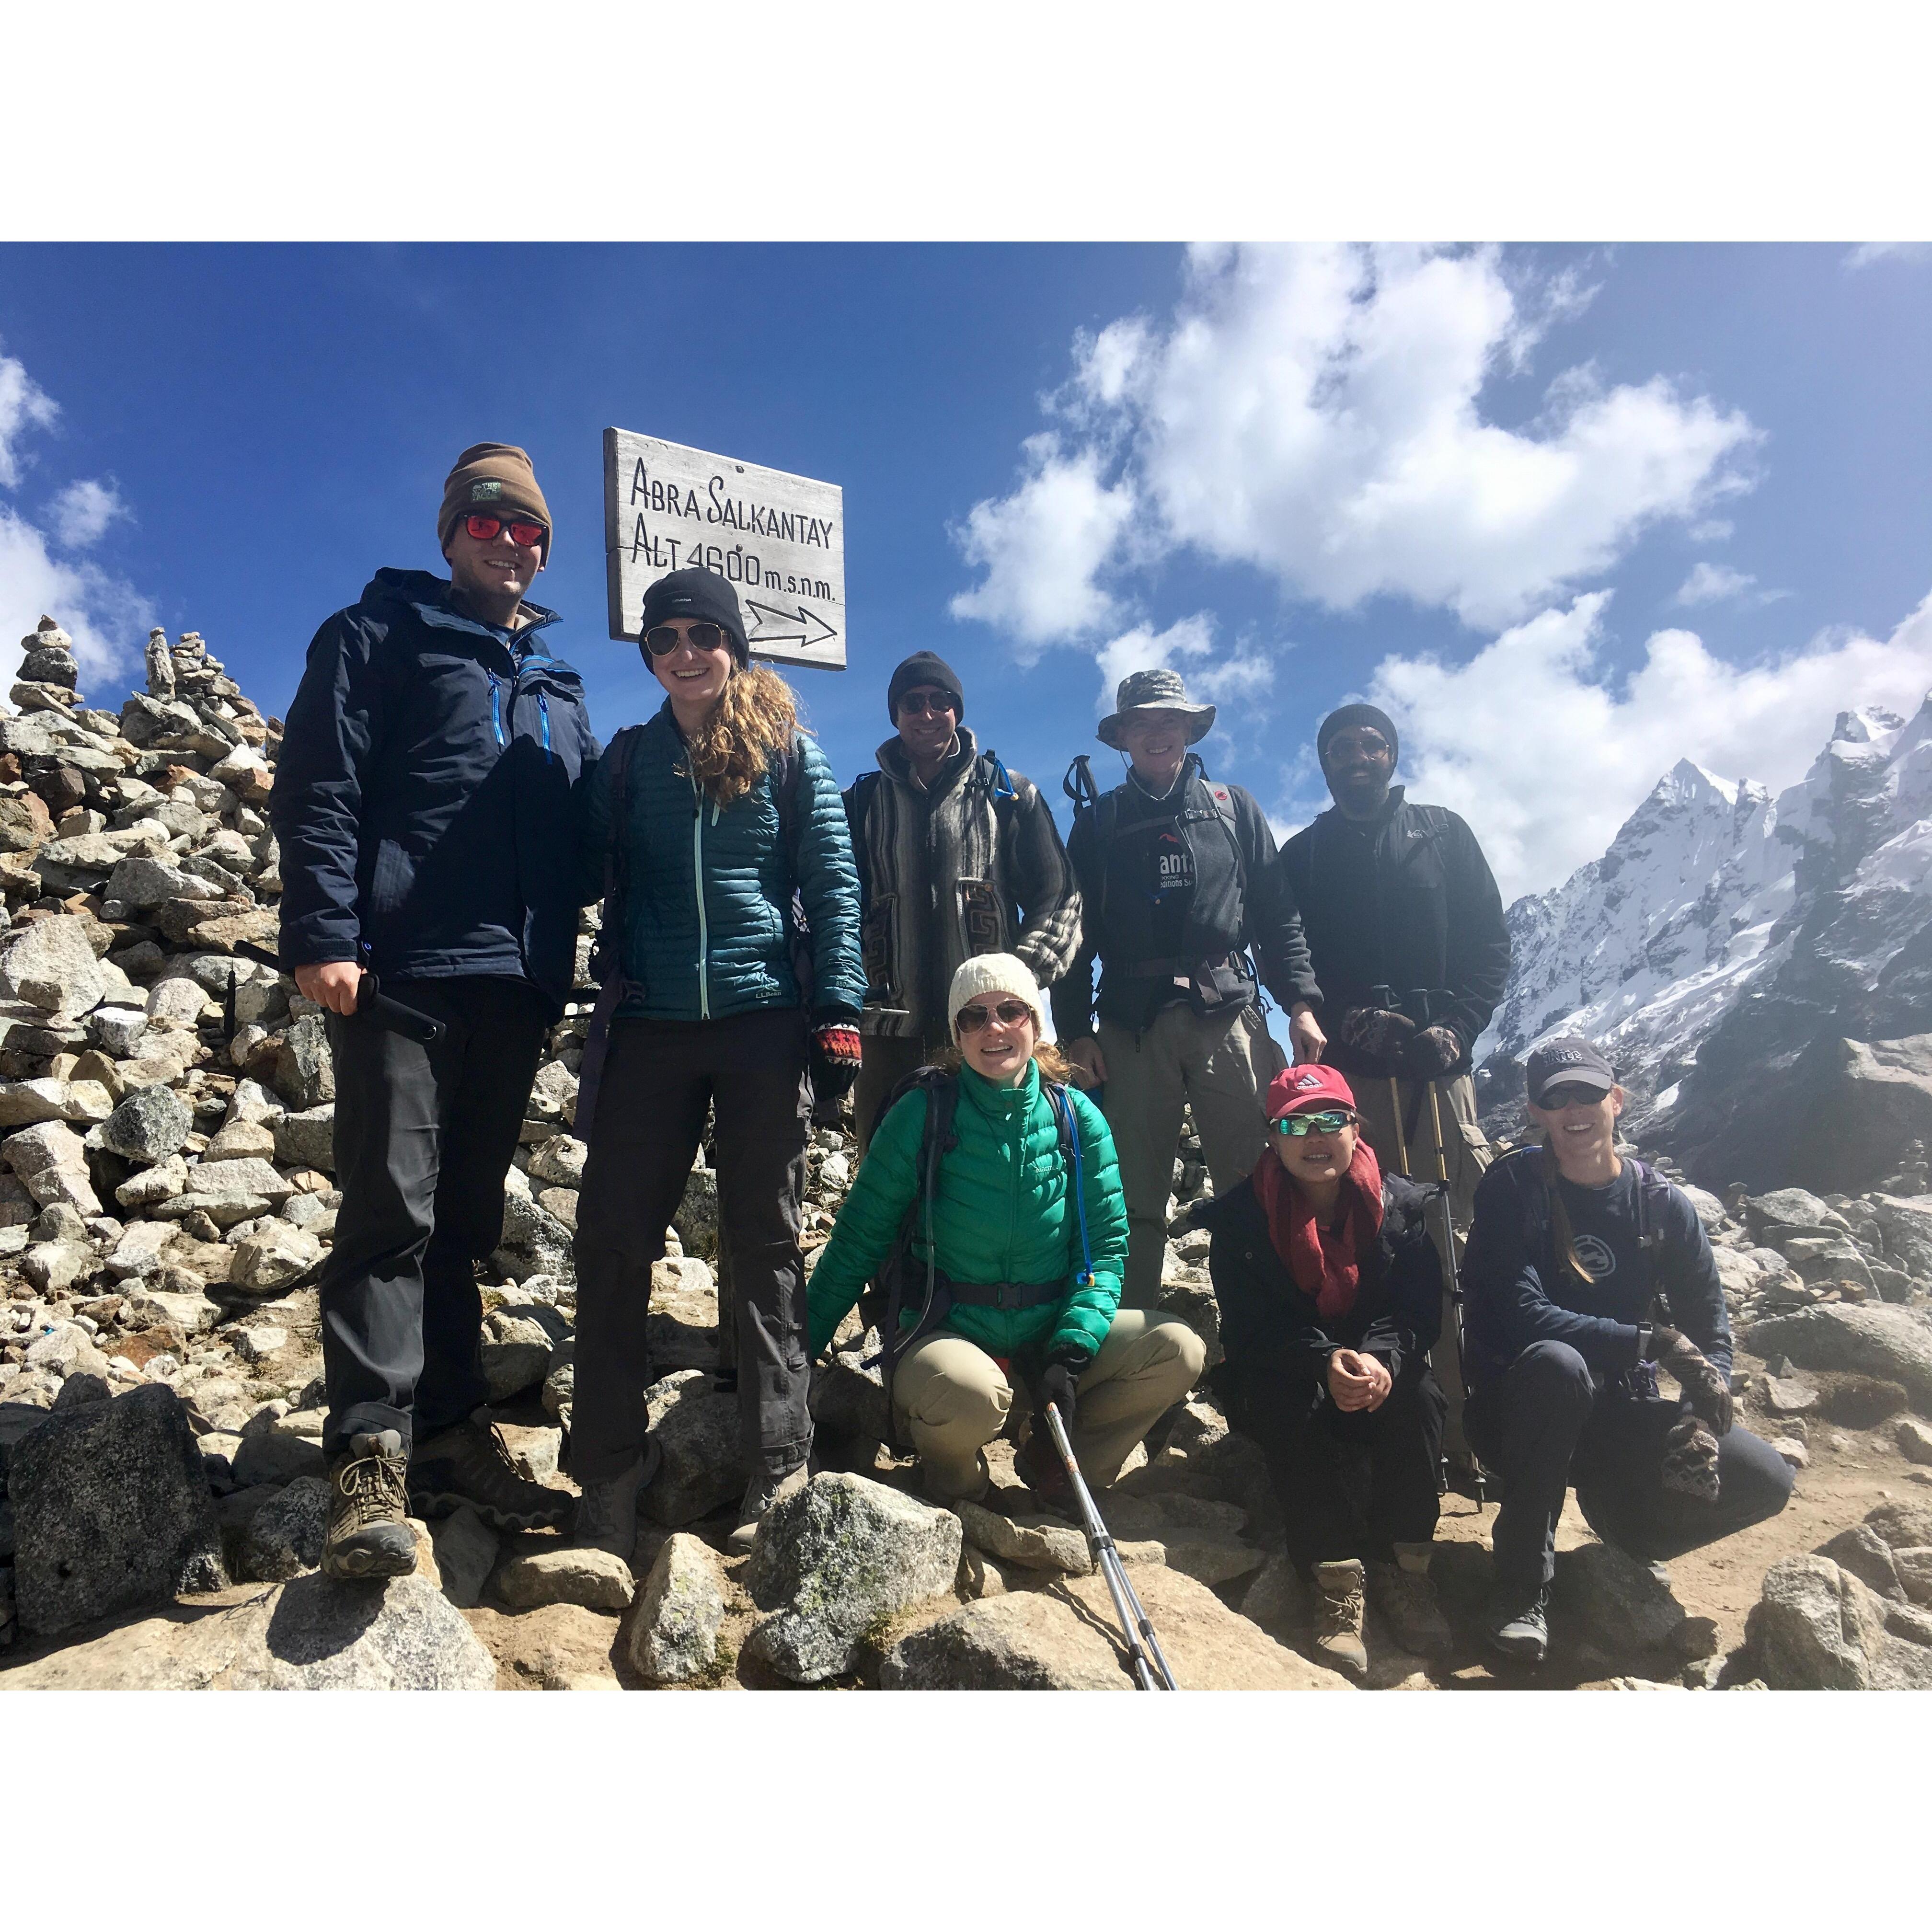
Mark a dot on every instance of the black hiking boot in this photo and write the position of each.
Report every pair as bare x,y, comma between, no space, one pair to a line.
468,1464
1520,1630
366,1535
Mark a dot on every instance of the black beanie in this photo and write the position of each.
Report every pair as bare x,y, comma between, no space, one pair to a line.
925,667
1357,714
697,593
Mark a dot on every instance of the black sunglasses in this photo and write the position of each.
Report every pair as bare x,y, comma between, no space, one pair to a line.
666,638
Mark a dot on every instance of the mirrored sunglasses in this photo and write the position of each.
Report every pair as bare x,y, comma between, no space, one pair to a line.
1296,1126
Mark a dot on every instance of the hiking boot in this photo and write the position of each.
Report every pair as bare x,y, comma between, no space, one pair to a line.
1521,1630
1340,1604
1406,1601
606,1512
760,1493
1038,1465
468,1464
366,1535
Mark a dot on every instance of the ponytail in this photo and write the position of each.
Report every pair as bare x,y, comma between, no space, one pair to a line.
1565,1237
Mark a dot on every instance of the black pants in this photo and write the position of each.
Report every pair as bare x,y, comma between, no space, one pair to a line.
423,1136
650,1113
1545,1426
1307,1442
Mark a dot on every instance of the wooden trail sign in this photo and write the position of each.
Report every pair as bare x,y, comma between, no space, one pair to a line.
779,539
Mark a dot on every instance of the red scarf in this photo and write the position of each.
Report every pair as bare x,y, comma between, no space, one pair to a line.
1325,1264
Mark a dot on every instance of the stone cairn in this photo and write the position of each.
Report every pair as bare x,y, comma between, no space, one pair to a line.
166,1200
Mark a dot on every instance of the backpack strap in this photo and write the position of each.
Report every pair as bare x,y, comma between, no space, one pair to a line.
858,812
607,956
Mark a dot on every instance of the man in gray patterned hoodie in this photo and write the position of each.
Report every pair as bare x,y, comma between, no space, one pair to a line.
951,846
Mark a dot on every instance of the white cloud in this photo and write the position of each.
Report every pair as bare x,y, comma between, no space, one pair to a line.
1317,413
1546,757
1867,252
1719,583
24,406
104,614
83,511
1243,674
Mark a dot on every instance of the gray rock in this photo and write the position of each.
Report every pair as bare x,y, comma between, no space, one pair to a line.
1789,1395
111,1511
148,1126
142,884
1895,1343
535,1242
835,1557
560,1387
1904,1525
848,1398
674,1635
592,1578
1034,1543
559,1161
1619,1603
268,1456
696,1219
1785,1211
516,1347
52,1163
66,1349
697,1429
1914,1439
276,1255
1862,1552
52,1266
284,1537
1914,1566
307,1139
1277,1599
1026,1641
466,1549
1817,1627
311,1634
50,964
78,1391
305,1075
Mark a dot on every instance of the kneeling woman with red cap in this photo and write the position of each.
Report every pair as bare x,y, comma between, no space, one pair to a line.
1331,1293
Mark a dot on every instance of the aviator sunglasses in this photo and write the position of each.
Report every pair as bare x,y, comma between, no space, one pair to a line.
1296,1126
1008,1012
484,529
666,638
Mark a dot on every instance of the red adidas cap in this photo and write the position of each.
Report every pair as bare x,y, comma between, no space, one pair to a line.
1307,1089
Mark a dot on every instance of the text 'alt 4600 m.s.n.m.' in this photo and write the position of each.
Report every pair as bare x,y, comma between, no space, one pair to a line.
779,539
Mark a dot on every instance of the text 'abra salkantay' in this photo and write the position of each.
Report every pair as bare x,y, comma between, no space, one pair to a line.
779,537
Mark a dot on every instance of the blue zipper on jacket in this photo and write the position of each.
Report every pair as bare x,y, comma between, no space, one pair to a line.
496,709
543,708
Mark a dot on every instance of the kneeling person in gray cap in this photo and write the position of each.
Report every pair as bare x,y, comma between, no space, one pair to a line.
1178,887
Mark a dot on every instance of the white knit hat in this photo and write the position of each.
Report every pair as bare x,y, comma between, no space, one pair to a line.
993,973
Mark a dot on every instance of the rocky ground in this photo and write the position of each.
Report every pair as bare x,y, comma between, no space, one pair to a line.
165,1197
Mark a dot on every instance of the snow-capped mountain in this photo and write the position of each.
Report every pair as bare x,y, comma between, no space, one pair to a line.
1724,930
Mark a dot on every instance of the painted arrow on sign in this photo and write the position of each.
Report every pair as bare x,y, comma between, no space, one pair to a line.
773,625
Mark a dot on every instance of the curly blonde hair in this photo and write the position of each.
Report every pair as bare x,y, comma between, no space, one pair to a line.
1053,1064
754,719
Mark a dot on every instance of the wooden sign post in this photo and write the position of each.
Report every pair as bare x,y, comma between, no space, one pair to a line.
779,539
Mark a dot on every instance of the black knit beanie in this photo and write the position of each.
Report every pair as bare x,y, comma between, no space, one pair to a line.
698,593
1357,714
925,667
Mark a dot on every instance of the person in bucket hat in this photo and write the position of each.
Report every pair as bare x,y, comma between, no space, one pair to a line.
1180,905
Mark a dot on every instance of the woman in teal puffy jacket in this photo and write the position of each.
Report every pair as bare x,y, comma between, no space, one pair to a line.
1020,1293
702,822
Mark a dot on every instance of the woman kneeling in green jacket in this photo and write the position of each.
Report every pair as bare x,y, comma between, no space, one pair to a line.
1022,1293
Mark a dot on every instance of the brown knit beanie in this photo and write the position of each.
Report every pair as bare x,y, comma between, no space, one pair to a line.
491,478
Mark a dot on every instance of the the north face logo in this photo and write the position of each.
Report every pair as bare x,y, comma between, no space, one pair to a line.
483,492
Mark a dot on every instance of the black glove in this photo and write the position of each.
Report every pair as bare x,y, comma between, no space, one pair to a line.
1376,1031
1059,1384
1432,1052
1706,1391
836,1050
1690,1467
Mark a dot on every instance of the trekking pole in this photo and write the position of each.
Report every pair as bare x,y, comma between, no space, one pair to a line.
1384,998
1455,1279
1150,1667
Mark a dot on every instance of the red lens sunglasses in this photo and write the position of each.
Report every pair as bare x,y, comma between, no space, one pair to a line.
484,529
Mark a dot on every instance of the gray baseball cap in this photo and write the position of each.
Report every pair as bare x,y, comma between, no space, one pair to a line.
1570,1061
1158,689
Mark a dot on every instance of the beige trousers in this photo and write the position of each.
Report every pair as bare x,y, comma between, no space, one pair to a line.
951,1398
1465,1155
1219,1067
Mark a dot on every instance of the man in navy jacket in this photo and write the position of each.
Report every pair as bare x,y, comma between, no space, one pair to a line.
422,804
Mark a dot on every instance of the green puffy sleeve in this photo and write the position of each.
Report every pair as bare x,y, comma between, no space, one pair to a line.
1087,1313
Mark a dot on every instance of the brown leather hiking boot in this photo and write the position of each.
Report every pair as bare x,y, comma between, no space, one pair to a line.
468,1464
366,1534
1339,1607
1406,1601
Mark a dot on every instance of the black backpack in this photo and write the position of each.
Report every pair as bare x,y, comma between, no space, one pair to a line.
1105,809
888,1293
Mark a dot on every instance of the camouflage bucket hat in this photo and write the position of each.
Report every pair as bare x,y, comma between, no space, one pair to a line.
1158,689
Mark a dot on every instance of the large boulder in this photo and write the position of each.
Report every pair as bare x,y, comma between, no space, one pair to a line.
51,1160
697,1429
516,1347
1876,1339
111,1511
1038,1542
311,1634
50,964
1817,1627
592,1578
535,1242
833,1559
674,1635
1619,1603
1029,1640
283,1537
148,1126
1878,1097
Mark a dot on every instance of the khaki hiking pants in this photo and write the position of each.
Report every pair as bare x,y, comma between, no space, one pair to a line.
1465,1152
1219,1065
951,1398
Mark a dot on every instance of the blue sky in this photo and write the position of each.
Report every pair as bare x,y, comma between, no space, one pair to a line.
1572,513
